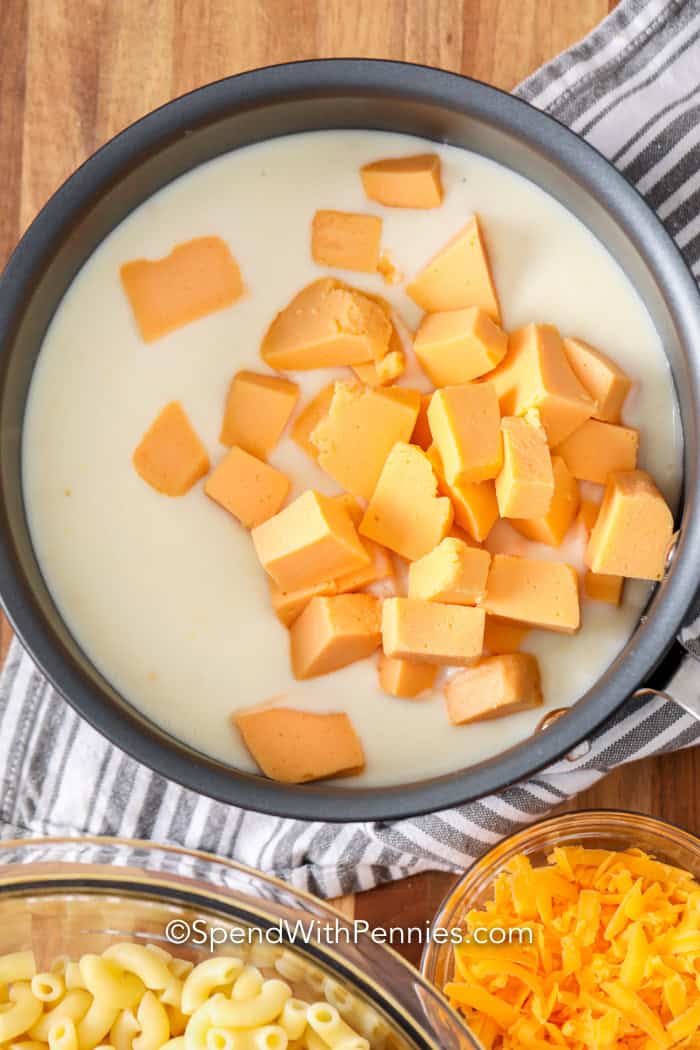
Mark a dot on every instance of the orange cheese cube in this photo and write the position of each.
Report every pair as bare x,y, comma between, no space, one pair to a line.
380,567
607,384
588,514
455,346
458,276
525,486
288,605
380,373
295,747
554,525
310,416
597,449
333,632
465,424
503,637
360,430
198,278
431,632
405,513
539,593
405,678
352,505
601,587
535,373
475,504
170,457
404,182
633,531
327,324
493,687
311,540
346,240
453,572
257,411
246,487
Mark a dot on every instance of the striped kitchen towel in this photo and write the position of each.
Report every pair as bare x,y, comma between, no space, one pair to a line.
632,89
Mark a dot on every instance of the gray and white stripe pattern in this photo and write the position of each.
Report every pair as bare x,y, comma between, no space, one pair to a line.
632,88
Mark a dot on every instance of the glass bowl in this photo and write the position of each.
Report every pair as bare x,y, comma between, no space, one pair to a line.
71,896
601,829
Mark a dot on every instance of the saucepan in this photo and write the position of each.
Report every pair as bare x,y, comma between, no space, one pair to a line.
341,94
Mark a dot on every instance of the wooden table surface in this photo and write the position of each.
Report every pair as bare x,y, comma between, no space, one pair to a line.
74,72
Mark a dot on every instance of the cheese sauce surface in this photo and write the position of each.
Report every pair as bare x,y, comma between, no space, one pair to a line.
165,595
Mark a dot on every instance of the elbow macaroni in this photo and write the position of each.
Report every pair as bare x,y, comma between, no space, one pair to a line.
138,997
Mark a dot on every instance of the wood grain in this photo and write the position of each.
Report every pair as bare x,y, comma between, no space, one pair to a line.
75,72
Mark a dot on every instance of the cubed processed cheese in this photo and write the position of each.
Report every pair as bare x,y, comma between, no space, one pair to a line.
326,325
493,687
392,366
405,678
453,572
197,278
465,423
597,449
360,430
500,636
554,525
421,435
310,416
535,373
257,411
380,567
288,605
607,384
534,592
346,240
432,632
525,486
246,487
633,531
475,504
170,457
352,505
454,346
458,276
405,513
404,182
601,587
295,747
333,632
588,514
311,540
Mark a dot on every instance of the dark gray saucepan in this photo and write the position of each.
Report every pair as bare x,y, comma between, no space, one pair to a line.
264,104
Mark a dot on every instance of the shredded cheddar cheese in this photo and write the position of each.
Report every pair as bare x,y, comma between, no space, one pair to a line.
613,963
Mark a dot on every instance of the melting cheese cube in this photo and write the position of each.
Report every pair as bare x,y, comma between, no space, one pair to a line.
288,605
310,416
607,384
380,568
503,637
525,486
333,632
392,366
458,276
246,487
198,278
404,182
465,424
534,592
493,687
597,449
327,324
455,346
346,240
601,587
360,430
405,678
554,525
431,632
475,504
535,373
295,747
257,411
405,513
633,531
311,540
170,457
453,572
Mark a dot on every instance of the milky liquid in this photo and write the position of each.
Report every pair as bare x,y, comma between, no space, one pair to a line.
166,595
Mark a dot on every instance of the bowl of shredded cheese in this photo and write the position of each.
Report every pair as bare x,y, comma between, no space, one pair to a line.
582,932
